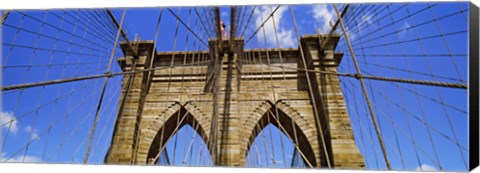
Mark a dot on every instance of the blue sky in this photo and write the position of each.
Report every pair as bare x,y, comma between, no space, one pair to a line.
375,32
395,97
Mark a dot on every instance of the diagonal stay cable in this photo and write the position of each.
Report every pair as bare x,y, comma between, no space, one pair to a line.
74,79
311,93
39,107
188,28
392,68
398,151
423,121
122,32
44,35
372,115
51,65
85,159
355,112
201,21
381,78
248,21
261,26
396,125
17,104
149,74
419,119
37,137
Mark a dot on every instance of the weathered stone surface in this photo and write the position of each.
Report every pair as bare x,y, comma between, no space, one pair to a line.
250,95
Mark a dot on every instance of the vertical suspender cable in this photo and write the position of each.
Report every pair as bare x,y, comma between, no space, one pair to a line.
316,115
372,115
92,133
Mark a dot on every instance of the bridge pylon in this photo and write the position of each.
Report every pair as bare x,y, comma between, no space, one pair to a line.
231,97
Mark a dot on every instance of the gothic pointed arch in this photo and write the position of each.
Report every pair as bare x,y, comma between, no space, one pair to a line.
161,128
288,121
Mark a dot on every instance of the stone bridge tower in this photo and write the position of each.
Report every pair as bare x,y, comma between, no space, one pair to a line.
231,98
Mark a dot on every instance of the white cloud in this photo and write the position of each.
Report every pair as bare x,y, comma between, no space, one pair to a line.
322,15
20,159
366,18
33,131
425,167
352,36
9,118
285,36
224,15
365,22
404,32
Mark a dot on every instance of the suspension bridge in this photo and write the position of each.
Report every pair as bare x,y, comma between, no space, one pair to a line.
341,86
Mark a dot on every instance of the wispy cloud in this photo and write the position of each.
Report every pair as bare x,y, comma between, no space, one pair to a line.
21,159
425,167
9,118
33,131
322,15
366,18
224,15
365,22
285,35
403,30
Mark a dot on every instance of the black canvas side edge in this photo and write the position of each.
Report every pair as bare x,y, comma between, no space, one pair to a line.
473,87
